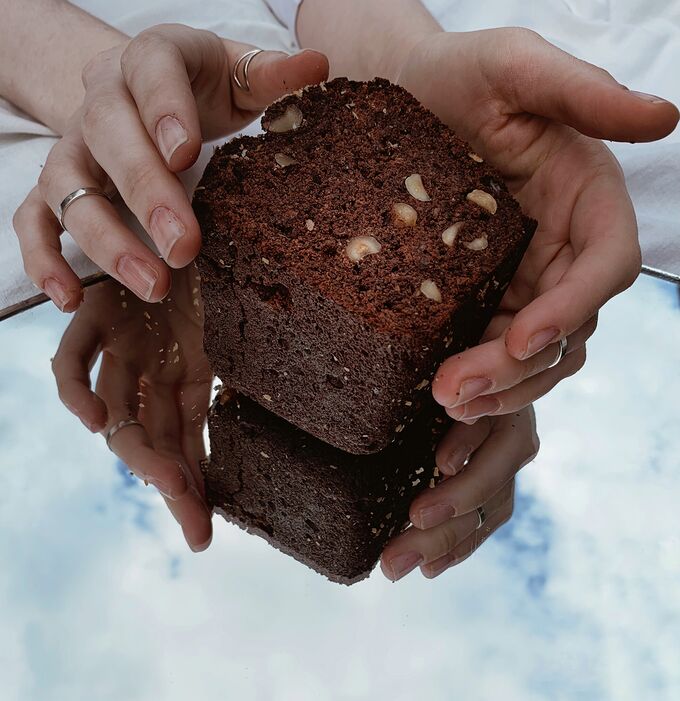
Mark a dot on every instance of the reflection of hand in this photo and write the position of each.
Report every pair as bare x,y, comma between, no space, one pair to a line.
445,518
148,105
531,110
153,369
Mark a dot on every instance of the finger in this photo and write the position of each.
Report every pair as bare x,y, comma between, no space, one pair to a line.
523,394
194,399
417,547
154,195
117,386
511,444
95,225
38,232
181,81
604,234
585,96
458,444
162,421
273,74
467,547
471,381
155,69
71,366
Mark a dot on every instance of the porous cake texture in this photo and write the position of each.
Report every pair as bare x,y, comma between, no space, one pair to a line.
346,252
329,509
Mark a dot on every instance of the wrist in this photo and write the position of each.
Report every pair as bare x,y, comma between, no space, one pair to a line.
401,50
364,38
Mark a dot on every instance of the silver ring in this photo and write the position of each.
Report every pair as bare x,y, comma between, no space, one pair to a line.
116,427
482,516
247,57
562,352
76,195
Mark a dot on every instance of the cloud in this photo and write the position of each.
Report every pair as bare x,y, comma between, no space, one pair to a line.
576,598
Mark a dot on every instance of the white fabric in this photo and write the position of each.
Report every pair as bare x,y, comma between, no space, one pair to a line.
286,12
636,40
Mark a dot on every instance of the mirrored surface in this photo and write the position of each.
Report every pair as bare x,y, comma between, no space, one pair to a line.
576,597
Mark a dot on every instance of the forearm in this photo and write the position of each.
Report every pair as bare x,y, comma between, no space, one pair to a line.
44,45
363,38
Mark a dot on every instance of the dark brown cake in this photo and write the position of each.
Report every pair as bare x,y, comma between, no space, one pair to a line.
324,300
330,510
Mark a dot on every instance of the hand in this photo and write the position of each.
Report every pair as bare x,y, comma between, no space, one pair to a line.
153,369
478,464
535,113
148,105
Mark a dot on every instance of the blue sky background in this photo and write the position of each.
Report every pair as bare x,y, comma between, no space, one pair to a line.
576,598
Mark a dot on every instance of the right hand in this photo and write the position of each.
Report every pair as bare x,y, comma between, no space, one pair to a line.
148,106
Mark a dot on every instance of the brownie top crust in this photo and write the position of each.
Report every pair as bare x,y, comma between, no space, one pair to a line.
358,192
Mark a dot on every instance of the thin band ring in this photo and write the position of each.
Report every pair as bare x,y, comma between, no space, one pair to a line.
117,427
562,352
247,57
76,195
482,516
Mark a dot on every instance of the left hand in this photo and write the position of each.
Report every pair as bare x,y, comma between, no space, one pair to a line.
537,114
153,369
446,528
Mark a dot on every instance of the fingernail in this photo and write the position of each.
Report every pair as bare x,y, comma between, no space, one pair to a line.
203,546
457,459
170,135
56,292
402,564
137,275
540,340
166,229
434,515
482,406
469,389
654,99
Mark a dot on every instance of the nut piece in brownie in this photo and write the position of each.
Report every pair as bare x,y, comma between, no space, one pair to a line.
330,510
346,252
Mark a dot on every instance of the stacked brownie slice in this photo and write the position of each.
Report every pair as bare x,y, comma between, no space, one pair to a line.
346,252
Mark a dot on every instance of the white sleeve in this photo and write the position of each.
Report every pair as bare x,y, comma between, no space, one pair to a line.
286,12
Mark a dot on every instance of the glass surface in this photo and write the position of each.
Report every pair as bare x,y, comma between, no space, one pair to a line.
577,597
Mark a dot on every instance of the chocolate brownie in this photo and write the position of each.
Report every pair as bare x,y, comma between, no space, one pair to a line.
346,252
330,510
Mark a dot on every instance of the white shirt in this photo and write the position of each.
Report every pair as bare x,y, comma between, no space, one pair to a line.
636,40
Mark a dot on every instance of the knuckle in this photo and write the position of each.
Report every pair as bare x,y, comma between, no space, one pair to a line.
148,42
98,115
445,542
580,359
90,70
530,449
138,182
47,174
632,268
32,269
19,218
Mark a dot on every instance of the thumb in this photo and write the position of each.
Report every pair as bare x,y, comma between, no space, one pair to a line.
549,82
271,75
